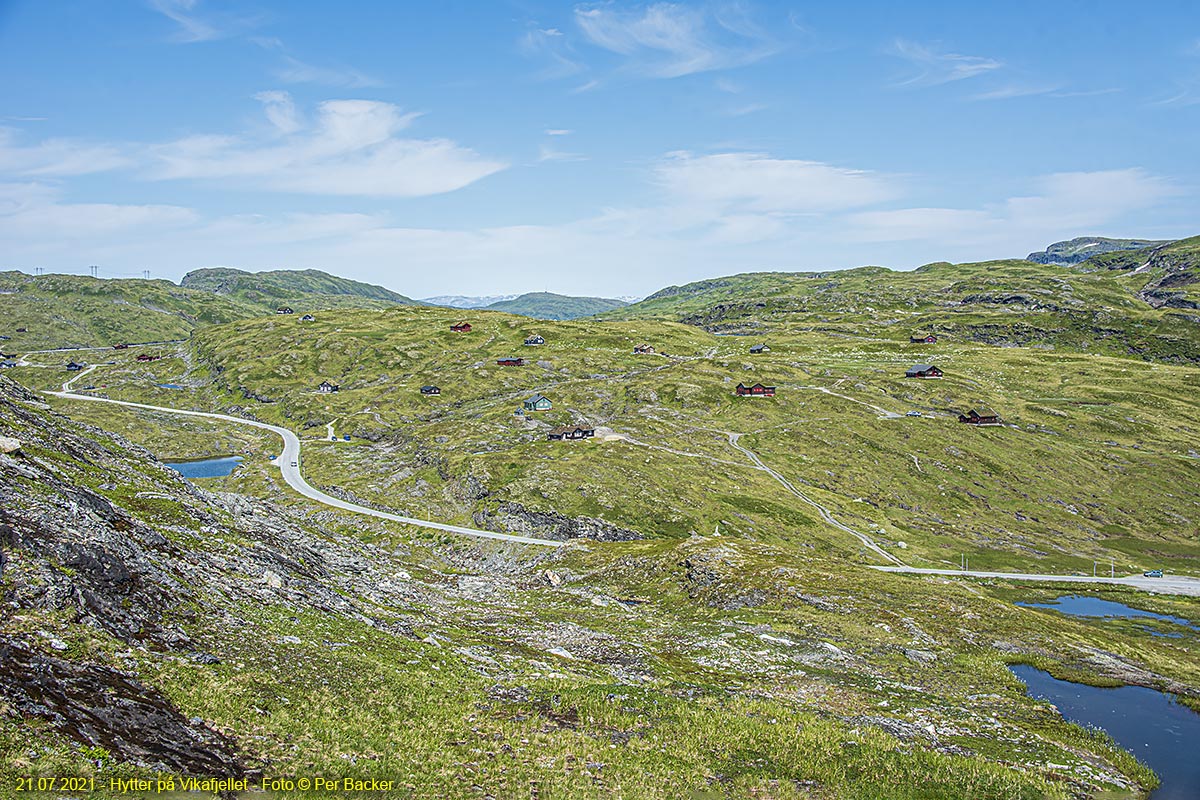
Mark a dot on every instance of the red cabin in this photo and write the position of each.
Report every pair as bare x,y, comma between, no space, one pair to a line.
983,417
461,327
923,371
511,362
931,339
757,390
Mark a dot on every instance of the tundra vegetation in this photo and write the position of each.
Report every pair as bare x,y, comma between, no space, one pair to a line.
768,660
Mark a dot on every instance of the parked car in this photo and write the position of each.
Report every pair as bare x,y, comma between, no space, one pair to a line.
1154,573
294,464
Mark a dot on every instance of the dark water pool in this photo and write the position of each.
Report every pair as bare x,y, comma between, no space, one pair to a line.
1079,606
207,468
1151,725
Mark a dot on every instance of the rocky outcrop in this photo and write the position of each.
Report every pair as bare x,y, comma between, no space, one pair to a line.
99,706
1075,251
515,518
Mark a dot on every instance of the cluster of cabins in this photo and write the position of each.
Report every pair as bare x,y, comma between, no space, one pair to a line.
539,402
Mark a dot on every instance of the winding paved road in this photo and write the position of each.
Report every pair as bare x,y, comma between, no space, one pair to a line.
289,466
1168,584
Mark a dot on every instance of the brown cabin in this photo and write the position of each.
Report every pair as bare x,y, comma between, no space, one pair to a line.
121,346
930,339
511,362
74,367
923,371
146,357
461,327
571,432
757,390
642,349
284,310
983,416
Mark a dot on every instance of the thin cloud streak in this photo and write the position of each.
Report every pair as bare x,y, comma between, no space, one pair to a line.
940,68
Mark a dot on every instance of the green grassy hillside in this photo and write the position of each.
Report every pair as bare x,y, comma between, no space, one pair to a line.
298,640
995,302
77,311
545,305
307,289
1098,460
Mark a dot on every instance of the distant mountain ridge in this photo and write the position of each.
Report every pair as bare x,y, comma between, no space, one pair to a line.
1081,248
547,305
309,287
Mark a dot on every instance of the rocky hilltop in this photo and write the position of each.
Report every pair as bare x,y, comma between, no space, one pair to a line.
1081,248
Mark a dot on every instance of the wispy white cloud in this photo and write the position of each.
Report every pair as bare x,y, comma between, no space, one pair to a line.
757,182
351,148
293,70
58,157
1015,90
669,40
749,108
548,153
1063,204
32,215
558,132
280,110
194,26
935,68
551,47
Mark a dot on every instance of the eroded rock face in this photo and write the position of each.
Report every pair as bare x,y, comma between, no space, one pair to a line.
98,706
515,518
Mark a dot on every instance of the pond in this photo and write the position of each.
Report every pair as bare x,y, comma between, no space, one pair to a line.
206,467
1161,732
1079,606
170,386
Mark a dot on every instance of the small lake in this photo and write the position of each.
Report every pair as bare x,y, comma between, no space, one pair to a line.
1079,606
1153,726
170,386
207,467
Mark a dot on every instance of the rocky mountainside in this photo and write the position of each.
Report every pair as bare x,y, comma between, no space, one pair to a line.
1165,276
1082,248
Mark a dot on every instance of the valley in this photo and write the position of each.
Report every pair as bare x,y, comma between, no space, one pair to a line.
706,563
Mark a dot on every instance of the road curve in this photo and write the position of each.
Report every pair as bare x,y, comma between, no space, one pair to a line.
1169,584
291,474
291,453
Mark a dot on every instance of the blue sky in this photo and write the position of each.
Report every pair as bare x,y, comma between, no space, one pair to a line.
604,148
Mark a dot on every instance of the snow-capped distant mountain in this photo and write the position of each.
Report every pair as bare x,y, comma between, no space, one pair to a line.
459,301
